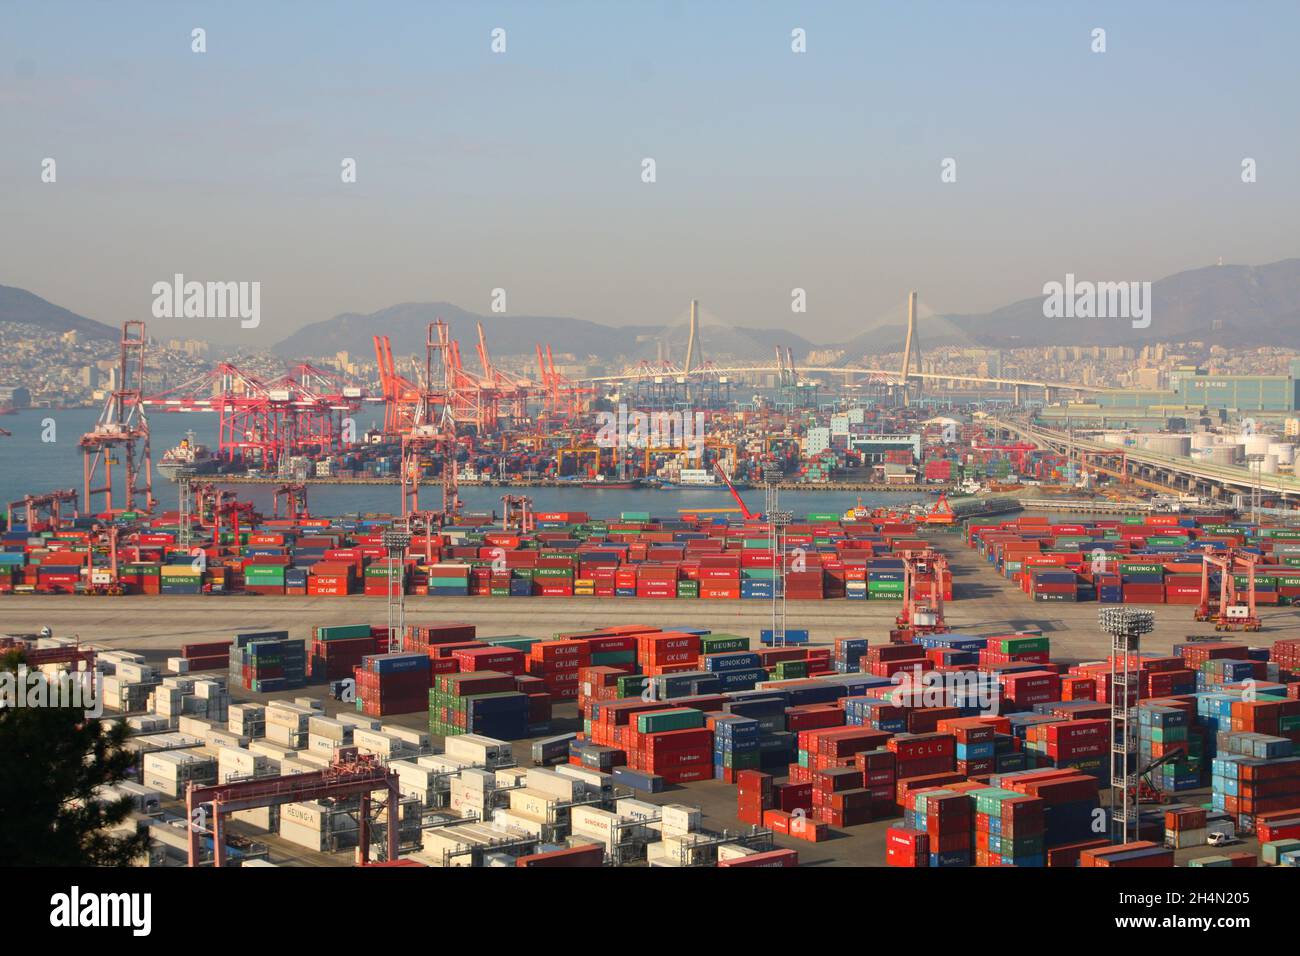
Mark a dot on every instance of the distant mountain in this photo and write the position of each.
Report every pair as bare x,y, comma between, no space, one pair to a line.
19,305
405,325
1227,305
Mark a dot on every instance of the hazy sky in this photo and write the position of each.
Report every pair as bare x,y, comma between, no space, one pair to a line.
522,170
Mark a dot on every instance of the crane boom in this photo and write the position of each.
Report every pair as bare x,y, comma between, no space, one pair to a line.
744,511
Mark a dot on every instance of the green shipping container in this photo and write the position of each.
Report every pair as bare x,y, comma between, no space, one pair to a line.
679,718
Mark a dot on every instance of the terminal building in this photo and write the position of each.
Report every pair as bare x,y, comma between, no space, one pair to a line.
1194,396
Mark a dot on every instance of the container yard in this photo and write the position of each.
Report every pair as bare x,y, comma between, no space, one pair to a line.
716,485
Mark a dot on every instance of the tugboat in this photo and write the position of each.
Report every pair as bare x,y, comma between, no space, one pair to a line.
188,454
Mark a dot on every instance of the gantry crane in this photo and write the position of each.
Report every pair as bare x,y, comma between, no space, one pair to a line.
920,617
349,775
433,428
295,498
121,425
1233,608
34,505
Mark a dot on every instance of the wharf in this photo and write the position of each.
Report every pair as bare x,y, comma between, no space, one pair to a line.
831,486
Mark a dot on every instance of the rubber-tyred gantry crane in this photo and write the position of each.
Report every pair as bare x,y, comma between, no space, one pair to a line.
42,512
917,616
1233,608
295,498
350,775
121,426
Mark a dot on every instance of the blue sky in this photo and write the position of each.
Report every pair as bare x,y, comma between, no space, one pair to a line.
521,170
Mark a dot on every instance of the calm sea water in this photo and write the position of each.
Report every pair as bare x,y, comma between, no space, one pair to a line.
29,465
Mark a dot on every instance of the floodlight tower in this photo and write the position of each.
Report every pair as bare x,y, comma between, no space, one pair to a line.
396,541
777,523
1125,625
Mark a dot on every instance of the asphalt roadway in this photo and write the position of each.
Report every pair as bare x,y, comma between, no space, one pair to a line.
983,603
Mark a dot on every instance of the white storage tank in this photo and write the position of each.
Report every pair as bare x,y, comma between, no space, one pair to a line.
1258,444
1225,454
1176,445
1284,451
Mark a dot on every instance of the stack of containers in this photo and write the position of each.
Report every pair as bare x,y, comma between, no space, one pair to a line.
448,580
1010,828
735,746
1083,745
210,656
184,578
337,650
907,847
673,744
1070,801
1165,730
267,662
379,577
945,817
331,578
264,577
450,707
392,684
754,795
1185,827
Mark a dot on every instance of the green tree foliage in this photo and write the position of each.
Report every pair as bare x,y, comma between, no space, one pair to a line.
52,759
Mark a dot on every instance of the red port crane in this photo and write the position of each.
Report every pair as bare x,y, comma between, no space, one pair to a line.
744,510
433,430
42,512
295,498
401,395
260,421
350,775
1233,608
917,616
121,425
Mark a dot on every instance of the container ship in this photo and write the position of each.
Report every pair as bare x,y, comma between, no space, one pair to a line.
188,454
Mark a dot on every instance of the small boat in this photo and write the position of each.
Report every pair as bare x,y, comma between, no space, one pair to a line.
612,484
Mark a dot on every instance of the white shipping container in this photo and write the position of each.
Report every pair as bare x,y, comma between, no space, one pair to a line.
304,836
335,730
357,720
270,750
518,822
595,782
280,714
442,763
559,786
439,843
532,803
600,825
286,736
147,723
224,738
418,739
178,665
193,725
679,820
733,851
477,749
510,777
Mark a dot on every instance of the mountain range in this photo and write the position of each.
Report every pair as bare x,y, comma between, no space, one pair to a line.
1222,304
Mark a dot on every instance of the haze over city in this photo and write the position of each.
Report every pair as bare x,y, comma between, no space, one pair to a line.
522,170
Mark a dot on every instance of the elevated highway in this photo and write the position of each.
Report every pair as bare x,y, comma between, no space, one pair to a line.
1157,471
1019,386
